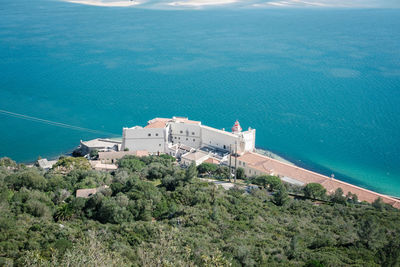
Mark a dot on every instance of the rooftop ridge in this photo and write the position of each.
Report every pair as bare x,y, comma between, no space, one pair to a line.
389,200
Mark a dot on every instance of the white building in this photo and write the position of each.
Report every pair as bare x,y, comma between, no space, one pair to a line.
152,139
99,144
46,164
197,157
161,134
178,150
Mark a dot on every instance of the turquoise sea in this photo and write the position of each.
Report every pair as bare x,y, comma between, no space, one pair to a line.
321,86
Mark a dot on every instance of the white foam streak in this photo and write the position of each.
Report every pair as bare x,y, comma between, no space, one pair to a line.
316,3
201,3
240,3
106,4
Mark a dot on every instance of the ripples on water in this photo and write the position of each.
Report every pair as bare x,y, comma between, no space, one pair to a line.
320,86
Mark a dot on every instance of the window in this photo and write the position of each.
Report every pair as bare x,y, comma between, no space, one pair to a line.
194,140
187,139
175,137
156,134
181,131
149,134
240,163
192,133
159,144
244,164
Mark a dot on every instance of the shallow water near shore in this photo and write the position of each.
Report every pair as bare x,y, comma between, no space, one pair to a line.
321,87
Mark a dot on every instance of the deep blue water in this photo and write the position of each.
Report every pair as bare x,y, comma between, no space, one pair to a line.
322,87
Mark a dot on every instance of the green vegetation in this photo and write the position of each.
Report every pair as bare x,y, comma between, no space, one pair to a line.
268,181
156,214
214,171
240,173
315,191
67,164
94,154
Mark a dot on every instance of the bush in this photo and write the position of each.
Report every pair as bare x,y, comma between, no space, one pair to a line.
378,204
184,222
94,154
191,172
111,211
222,172
338,197
131,163
67,164
30,178
170,182
7,162
281,196
207,168
268,181
313,263
240,173
37,208
314,191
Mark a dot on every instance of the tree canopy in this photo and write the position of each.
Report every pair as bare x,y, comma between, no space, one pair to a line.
268,181
153,213
315,191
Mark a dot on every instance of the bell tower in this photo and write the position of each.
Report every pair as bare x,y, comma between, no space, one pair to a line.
236,128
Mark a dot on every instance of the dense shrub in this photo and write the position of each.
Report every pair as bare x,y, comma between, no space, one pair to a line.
26,178
314,191
67,164
156,214
268,181
7,162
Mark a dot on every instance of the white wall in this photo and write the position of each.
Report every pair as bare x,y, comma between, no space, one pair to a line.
186,133
249,140
218,138
187,162
196,135
137,138
190,134
248,171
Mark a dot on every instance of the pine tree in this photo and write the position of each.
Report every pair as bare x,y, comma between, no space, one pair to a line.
191,172
281,196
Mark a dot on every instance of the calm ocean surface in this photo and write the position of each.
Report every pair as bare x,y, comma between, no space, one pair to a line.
322,87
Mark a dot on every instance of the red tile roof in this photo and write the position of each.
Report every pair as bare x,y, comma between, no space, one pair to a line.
120,154
212,160
162,122
186,120
268,165
157,123
85,193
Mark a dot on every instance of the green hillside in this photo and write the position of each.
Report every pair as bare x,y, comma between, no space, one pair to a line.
156,214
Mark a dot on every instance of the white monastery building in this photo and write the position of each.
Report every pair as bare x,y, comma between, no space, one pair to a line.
179,135
190,141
